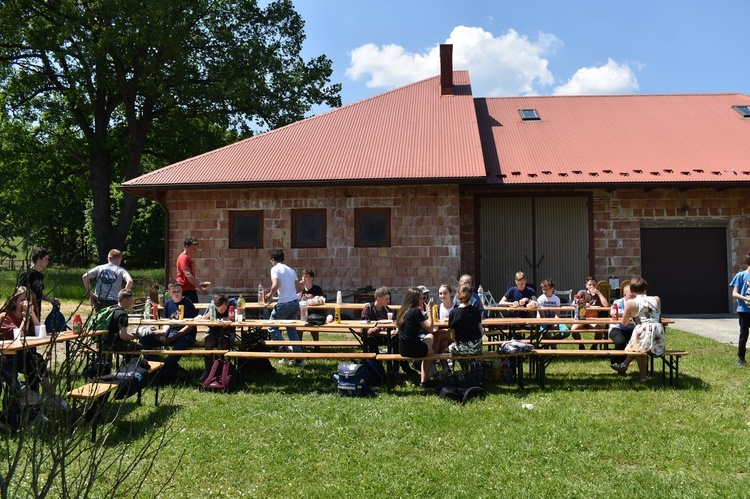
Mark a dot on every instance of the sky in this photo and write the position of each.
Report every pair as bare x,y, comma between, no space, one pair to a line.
534,47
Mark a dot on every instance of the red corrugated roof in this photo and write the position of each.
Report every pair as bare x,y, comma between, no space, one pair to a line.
616,139
410,133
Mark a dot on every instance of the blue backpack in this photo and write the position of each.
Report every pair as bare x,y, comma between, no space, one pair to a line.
55,321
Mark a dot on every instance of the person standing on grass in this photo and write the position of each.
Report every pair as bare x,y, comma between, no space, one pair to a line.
284,281
648,334
110,278
415,331
741,291
186,271
33,279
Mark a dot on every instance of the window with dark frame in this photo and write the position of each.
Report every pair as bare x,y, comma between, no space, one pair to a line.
743,110
529,115
309,228
372,227
246,229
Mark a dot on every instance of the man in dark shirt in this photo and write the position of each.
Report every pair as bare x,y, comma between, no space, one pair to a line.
118,338
178,336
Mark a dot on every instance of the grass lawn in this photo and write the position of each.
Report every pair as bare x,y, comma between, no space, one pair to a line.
591,433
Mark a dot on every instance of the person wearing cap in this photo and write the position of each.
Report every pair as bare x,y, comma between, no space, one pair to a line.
109,279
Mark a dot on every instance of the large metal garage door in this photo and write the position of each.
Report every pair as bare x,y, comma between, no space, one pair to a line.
687,268
543,237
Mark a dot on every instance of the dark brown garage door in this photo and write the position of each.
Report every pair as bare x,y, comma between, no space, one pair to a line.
687,268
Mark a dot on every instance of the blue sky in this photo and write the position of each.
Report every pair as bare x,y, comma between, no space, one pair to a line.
534,47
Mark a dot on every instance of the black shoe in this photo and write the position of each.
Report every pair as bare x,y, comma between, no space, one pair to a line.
741,363
430,383
203,376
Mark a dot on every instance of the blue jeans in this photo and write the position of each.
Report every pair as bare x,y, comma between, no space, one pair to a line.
283,311
151,342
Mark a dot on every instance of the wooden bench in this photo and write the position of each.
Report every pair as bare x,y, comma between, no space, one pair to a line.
97,393
670,358
394,357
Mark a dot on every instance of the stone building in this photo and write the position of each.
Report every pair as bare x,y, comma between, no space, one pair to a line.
422,183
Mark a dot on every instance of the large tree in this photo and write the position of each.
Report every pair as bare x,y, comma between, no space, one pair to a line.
111,81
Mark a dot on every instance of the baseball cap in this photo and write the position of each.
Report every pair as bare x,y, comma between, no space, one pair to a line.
423,289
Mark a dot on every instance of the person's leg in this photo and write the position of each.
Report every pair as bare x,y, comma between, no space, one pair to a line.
191,295
150,342
289,311
428,341
744,319
210,343
576,335
181,343
597,336
274,331
642,368
617,335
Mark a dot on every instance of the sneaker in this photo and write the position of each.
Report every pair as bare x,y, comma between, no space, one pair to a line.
283,361
741,363
620,368
298,363
203,376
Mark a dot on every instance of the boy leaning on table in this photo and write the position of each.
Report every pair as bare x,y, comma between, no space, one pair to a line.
178,336
118,338
549,299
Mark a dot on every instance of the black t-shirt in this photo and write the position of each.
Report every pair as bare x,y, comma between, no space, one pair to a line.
118,321
465,322
411,328
370,313
315,290
33,280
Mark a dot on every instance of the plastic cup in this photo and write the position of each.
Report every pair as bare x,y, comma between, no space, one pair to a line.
40,331
16,333
527,406
390,316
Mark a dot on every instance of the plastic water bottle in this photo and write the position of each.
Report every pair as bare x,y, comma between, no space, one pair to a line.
303,309
147,309
212,311
161,295
261,294
239,313
480,292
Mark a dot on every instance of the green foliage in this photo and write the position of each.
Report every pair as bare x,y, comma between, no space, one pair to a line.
111,90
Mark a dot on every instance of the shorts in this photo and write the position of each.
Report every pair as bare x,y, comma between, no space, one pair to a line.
412,348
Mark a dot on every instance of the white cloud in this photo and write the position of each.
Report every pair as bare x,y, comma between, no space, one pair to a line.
612,78
509,64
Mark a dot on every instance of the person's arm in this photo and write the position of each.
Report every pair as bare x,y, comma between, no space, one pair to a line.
602,299
123,332
193,280
629,312
168,340
736,294
427,323
87,284
127,280
274,287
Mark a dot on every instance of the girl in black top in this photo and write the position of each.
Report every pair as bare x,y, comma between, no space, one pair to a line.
465,322
415,330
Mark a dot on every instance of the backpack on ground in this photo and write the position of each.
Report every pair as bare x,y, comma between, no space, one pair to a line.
219,377
130,378
102,318
351,380
462,386
254,340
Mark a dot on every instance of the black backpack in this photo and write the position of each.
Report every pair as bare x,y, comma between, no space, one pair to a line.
254,340
130,378
220,377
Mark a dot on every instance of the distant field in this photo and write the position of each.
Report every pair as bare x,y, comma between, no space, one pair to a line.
65,282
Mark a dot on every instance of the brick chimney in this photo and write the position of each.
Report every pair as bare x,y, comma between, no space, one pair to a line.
446,69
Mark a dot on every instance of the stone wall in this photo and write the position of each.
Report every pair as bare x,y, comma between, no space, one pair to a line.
425,239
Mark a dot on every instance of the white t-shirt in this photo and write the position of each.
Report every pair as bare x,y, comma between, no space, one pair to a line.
445,312
287,282
544,301
107,279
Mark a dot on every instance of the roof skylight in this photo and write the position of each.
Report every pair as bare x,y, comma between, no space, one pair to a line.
529,114
743,110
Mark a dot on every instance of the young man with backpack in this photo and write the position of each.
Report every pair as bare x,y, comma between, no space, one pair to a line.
118,338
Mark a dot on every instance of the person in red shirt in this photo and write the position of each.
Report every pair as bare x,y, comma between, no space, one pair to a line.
186,271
